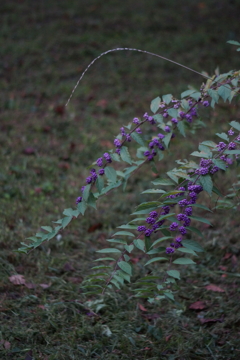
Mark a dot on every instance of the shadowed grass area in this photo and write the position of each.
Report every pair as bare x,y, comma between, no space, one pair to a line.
46,150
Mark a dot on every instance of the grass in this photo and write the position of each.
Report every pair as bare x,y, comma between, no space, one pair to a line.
45,152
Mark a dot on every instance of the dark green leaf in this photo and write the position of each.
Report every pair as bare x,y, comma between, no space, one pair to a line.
167,98
173,112
224,91
167,139
213,94
137,138
110,173
161,239
47,228
86,192
216,191
201,207
174,273
140,244
125,155
100,184
118,241
155,104
82,206
125,267
198,218
196,96
155,259
201,154
129,248
223,136
66,221
162,181
187,93
148,205
123,233
195,230
153,191
192,245
181,128
187,251
207,184
183,261
108,251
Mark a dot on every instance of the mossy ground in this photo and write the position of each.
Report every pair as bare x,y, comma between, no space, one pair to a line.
46,149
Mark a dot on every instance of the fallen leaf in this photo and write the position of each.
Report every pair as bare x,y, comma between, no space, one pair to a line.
141,307
223,268
29,151
207,321
95,227
198,305
68,267
167,338
75,280
213,287
30,285
45,286
17,279
41,307
59,109
227,256
6,344
234,260
102,103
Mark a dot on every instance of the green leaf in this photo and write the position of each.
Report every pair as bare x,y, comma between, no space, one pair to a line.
198,218
66,221
187,93
125,267
158,118
201,207
47,228
123,233
124,153
187,251
110,187
140,244
128,226
172,176
118,241
223,136
213,94
233,42
153,191
147,243
232,152
92,201
183,261
219,163
82,206
209,143
124,275
155,104
181,128
224,91
167,98
201,154
108,251
174,273
207,184
196,96
173,112
192,245
148,205
86,192
105,259
162,181
169,295
114,282
167,139
195,230
161,239
156,250
216,191
155,259
110,173
137,138
129,248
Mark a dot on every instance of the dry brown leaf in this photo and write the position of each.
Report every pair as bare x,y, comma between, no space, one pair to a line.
213,287
45,286
17,279
198,305
141,307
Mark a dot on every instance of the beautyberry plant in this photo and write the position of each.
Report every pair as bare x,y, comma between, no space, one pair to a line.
166,220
